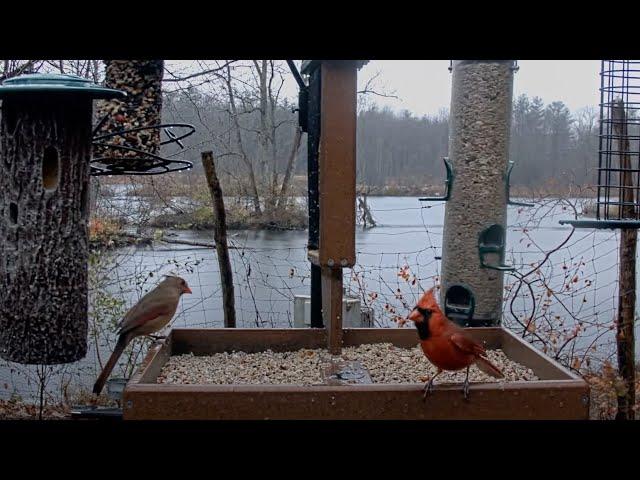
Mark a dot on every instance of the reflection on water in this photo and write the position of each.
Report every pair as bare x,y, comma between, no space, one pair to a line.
270,267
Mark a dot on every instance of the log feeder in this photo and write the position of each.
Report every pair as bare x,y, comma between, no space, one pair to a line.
45,150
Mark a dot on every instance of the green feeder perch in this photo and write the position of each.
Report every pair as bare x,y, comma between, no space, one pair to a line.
491,241
447,186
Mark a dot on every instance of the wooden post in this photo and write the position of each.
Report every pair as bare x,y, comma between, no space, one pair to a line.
625,337
337,186
220,237
332,307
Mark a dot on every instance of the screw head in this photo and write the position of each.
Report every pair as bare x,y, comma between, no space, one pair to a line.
343,262
330,262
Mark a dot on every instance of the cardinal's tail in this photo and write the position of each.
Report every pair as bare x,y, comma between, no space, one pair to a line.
123,341
489,368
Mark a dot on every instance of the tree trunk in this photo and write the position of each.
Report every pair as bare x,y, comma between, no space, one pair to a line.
220,237
290,163
234,114
44,195
367,218
262,75
627,289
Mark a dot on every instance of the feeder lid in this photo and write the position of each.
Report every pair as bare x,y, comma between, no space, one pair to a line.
310,65
56,83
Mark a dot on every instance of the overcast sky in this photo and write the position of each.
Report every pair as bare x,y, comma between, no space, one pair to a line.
424,86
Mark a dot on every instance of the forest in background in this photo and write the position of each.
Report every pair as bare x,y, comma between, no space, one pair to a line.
549,143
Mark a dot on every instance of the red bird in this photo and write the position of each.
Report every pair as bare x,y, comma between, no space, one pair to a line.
445,344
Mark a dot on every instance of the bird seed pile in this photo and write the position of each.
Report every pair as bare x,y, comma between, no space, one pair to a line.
385,363
300,367
390,364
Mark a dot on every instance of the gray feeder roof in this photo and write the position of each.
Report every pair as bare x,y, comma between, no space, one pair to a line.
56,83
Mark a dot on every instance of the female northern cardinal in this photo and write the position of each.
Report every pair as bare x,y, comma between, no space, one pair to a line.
150,314
445,344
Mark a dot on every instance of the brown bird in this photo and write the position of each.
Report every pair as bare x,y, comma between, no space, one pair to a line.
445,344
152,313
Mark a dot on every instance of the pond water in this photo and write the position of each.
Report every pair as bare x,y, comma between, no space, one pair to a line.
270,267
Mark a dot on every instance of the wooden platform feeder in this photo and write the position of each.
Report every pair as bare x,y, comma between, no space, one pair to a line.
45,150
559,394
331,121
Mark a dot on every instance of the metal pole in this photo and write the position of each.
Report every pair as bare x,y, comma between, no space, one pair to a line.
313,143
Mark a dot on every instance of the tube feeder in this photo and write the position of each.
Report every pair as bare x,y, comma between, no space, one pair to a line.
476,208
45,150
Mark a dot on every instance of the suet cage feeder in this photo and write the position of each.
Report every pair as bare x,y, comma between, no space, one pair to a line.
618,187
329,106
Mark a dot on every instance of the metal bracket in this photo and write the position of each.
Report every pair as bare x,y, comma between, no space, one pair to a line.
146,163
507,181
91,411
602,224
448,184
303,98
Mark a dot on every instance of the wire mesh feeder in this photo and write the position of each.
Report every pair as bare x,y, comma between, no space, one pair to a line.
618,202
128,160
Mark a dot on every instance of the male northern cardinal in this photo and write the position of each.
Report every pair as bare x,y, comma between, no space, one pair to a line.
445,344
150,314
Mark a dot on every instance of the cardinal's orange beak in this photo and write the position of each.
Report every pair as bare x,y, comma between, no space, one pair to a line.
415,316
186,289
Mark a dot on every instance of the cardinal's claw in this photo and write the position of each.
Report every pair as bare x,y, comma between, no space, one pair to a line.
465,389
428,388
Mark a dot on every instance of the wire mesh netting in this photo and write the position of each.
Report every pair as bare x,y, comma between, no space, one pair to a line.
562,296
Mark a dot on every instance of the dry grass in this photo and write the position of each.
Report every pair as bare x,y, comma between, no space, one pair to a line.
604,388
